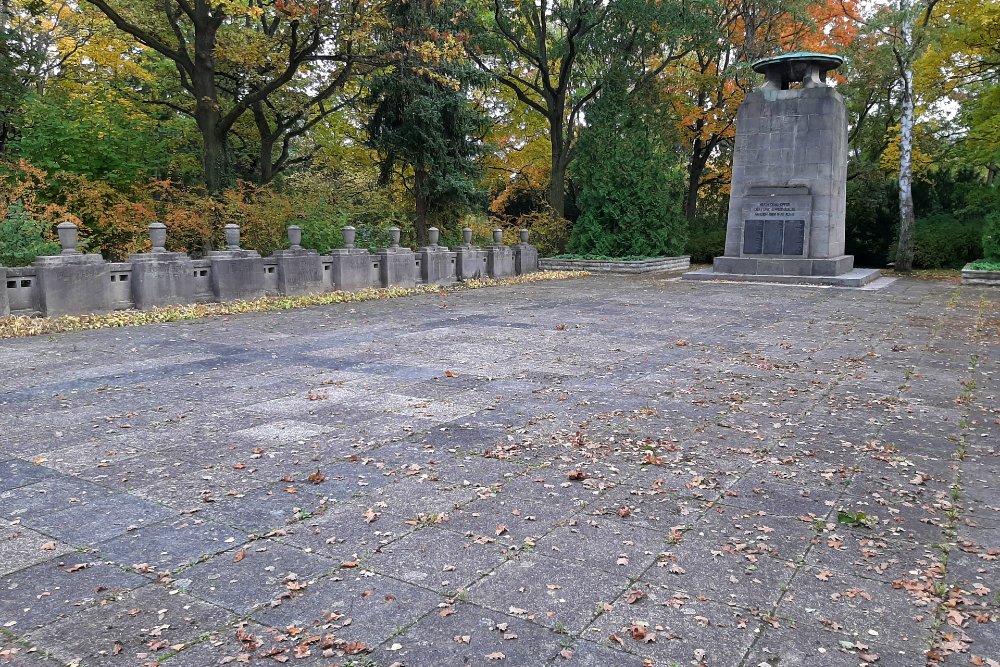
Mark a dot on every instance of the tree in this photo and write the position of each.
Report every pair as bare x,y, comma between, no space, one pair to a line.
555,54
230,57
423,118
630,176
709,83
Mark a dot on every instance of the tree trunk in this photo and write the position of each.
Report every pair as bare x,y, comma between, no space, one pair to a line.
904,249
696,167
421,200
207,112
557,177
265,168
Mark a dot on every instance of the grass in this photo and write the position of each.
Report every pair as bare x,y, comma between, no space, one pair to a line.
603,258
19,326
985,265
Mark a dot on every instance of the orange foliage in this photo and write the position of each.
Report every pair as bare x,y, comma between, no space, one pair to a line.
20,183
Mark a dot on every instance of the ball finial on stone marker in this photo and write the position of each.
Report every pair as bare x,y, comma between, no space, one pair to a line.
68,235
294,237
158,237
433,234
497,236
524,236
467,236
349,235
232,237
394,237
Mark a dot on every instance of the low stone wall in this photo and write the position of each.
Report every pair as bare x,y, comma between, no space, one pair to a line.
74,283
655,265
971,276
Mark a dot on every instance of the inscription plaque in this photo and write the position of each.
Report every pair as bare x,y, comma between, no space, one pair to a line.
774,232
776,224
794,237
753,237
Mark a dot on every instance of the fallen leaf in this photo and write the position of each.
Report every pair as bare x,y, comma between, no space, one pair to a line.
496,655
634,596
240,555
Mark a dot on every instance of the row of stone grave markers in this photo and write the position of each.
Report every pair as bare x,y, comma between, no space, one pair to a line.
76,283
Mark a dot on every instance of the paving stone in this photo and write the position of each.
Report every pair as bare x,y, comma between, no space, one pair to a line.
355,605
858,609
685,633
141,626
48,497
21,547
468,635
15,473
99,519
604,543
548,591
58,588
171,544
800,645
437,558
23,656
255,574
347,532
266,508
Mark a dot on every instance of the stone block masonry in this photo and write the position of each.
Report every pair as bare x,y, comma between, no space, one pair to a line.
788,198
74,283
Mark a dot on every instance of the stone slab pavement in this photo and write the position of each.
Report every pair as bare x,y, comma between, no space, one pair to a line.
610,471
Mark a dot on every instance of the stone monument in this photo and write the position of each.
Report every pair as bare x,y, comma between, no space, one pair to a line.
788,200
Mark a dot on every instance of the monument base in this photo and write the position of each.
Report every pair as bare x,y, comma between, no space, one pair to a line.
785,266
852,278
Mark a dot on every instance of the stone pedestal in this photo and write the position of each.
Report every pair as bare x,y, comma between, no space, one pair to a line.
236,274
525,258
350,269
437,265
4,300
161,279
299,271
470,262
788,198
499,261
73,284
397,267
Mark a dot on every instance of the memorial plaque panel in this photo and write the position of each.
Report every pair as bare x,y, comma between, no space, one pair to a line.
753,237
776,222
774,232
795,237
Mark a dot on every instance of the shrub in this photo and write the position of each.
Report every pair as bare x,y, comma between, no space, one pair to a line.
991,237
631,179
943,241
706,239
22,238
27,226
